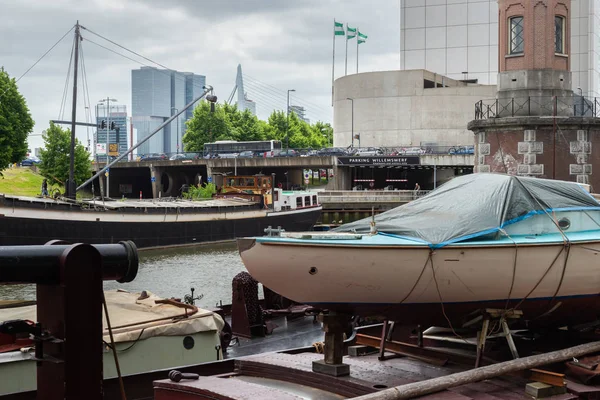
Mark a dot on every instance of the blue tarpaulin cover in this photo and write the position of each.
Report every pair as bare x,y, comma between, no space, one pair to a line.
475,205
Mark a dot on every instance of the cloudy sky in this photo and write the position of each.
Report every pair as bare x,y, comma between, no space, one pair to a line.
281,44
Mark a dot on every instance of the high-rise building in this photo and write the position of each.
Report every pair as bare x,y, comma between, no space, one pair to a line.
194,86
459,39
117,114
156,95
300,113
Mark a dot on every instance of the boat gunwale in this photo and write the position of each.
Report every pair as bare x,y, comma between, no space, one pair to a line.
424,246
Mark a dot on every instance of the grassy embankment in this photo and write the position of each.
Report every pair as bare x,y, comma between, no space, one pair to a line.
21,181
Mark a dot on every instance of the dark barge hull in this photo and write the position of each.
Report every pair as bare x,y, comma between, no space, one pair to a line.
37,231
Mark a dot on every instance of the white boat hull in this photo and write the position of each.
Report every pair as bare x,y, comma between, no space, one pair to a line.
404,283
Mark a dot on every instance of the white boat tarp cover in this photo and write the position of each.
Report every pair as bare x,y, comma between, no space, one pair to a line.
124,308
475,205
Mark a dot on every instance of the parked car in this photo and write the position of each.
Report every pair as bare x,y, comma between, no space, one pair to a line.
367,151
287,153
228,155
409,151
29,161
153,157
461,150
310,153
333,151
246,154
184,156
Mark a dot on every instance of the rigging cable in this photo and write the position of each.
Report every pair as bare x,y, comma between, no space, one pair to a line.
437,287
280,97
125,48
279,91
40,59
279,104
63,101
113,347
83,79
514,274
86,96
138,62
137,54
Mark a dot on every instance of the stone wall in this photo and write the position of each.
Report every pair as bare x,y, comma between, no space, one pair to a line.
525,147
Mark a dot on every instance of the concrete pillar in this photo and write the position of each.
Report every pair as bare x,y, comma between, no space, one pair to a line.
341,178
209,174
296,177
155,178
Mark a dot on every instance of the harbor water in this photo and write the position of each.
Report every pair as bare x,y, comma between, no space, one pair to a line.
171,273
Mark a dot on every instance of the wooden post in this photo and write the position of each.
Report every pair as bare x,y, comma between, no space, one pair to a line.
417,389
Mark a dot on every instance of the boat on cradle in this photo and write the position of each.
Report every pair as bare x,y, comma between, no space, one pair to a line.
237,212
150,334
478,241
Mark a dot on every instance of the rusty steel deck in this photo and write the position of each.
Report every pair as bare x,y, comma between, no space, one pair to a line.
290,376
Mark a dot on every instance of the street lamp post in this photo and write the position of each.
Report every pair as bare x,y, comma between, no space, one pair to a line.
581,95
352,100
176,111
107,100
287,124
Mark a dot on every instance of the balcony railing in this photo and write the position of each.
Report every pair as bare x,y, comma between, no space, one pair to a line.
576,106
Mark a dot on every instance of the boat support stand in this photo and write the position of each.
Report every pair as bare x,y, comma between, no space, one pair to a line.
499,316
334,326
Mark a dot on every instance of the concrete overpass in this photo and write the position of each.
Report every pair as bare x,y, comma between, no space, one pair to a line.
165,177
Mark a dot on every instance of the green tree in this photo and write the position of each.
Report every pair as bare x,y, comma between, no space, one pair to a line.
278,123
206,127
325,131
15,122
248,127
225,123
54,164
229,123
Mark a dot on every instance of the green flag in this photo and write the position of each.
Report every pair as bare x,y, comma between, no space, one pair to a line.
338,28
351,32
362,38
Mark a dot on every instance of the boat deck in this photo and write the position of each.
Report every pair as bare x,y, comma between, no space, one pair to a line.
290,376
288,334
131,204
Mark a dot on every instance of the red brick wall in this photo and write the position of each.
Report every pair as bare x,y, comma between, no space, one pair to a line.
538,25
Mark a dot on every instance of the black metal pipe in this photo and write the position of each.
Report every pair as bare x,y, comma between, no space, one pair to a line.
41,264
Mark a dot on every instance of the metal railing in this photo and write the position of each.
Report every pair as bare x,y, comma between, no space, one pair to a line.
408,150
370,196
576,106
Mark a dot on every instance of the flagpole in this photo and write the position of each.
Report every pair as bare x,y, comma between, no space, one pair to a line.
333,64
346,70
357,41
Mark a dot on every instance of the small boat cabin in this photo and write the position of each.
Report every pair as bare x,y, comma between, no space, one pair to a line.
250,186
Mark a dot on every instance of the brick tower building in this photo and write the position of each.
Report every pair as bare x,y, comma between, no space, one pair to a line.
537,126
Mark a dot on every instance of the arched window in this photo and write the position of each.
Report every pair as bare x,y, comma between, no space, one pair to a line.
515,35
559,35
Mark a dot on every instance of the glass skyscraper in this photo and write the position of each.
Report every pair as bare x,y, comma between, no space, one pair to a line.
118,115
156,95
